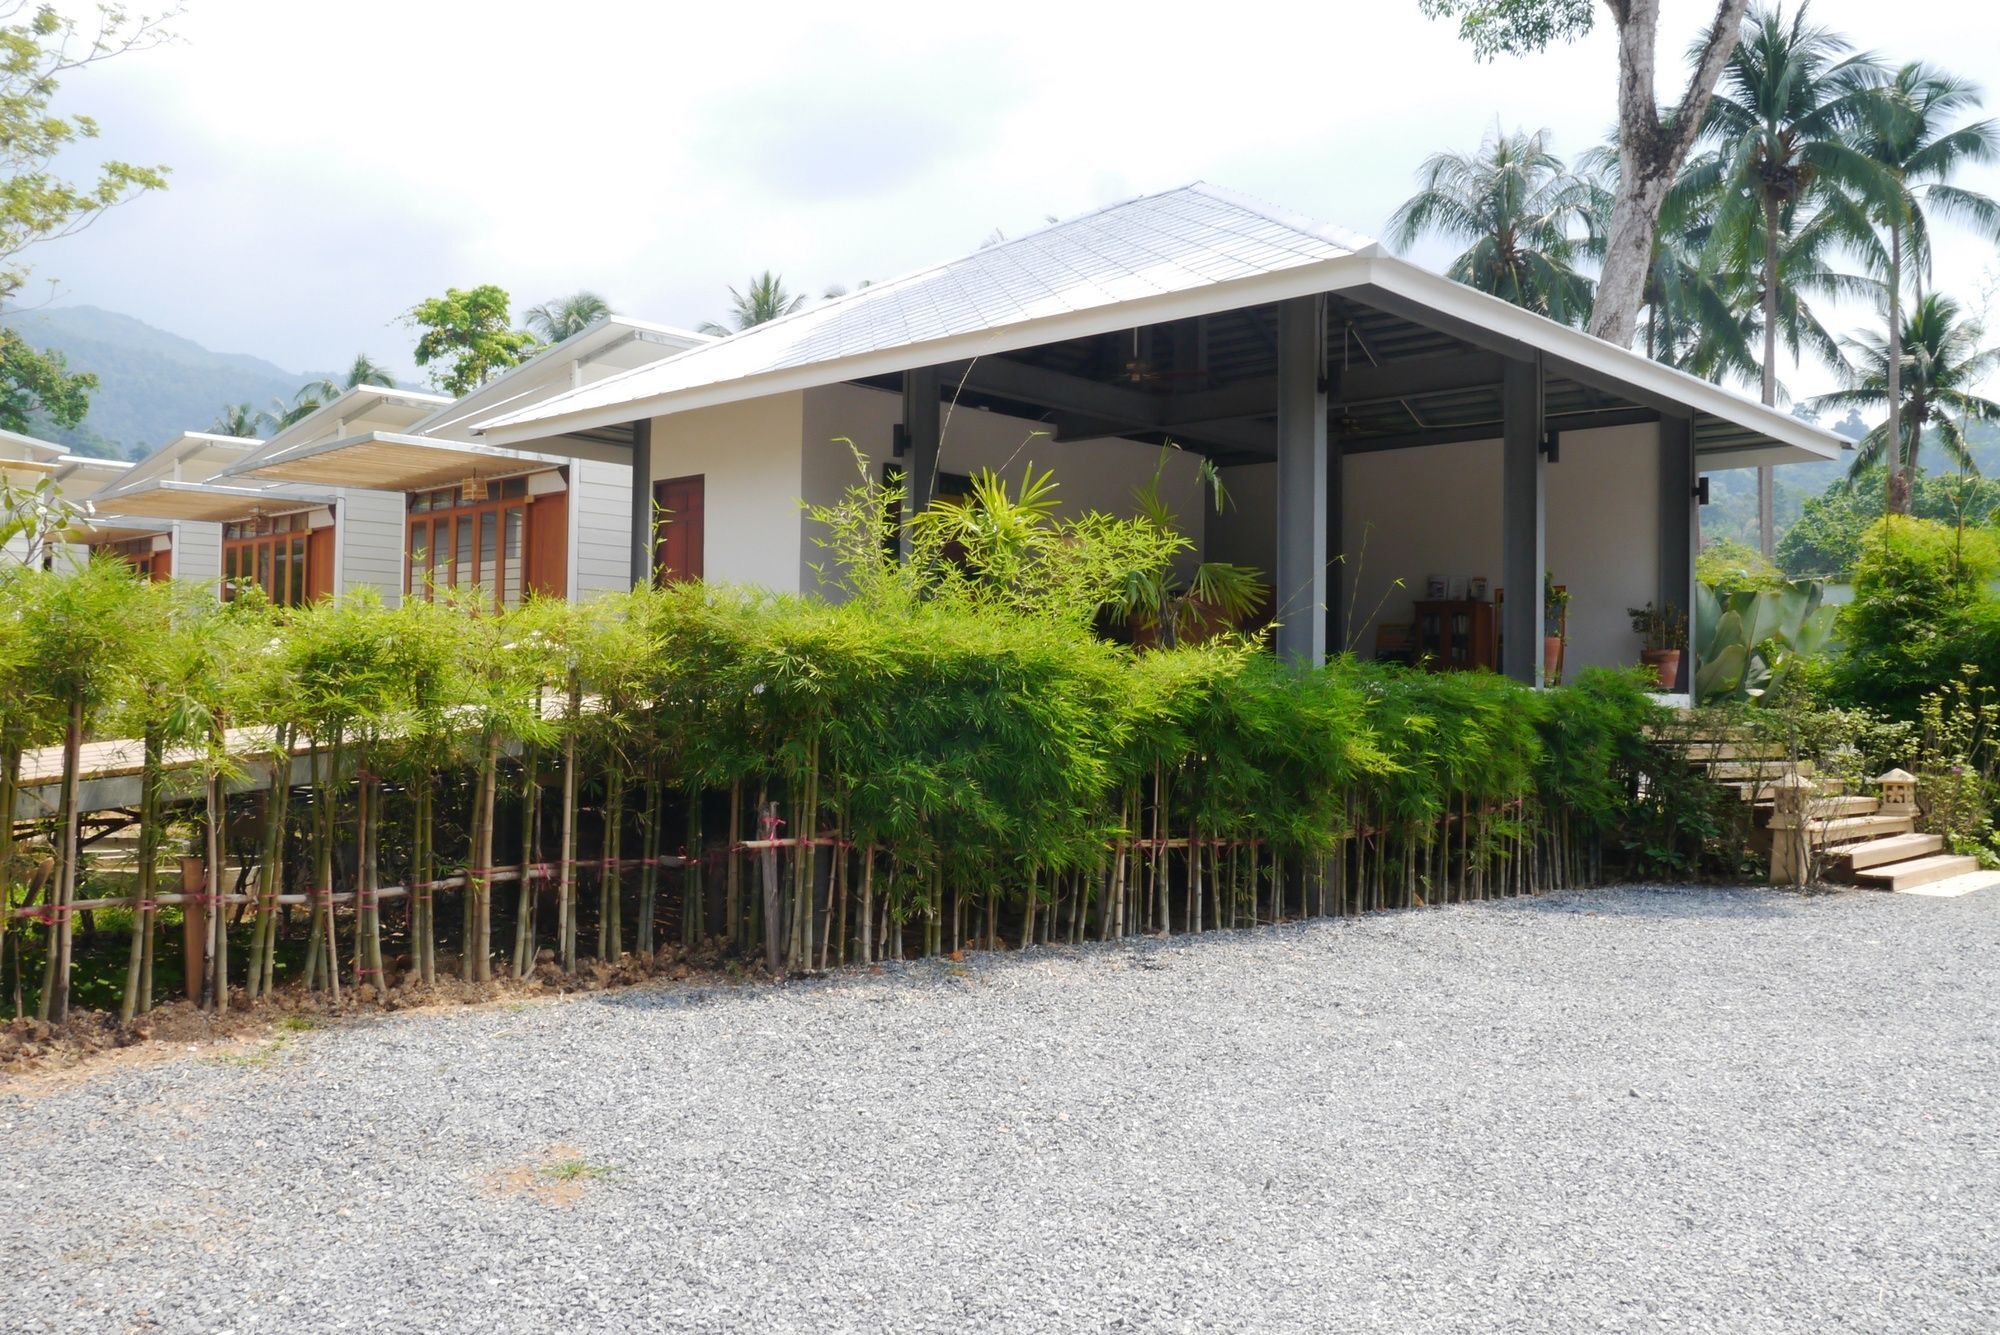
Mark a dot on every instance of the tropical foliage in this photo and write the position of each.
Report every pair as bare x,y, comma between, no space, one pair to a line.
763,300
555,320
466,337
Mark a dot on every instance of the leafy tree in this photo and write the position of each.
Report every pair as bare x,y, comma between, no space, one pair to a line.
1942,365
1793,96
763,301
468,330
1909,138
1825,541
554,321
39,46
1520,210
1653,141
1728,566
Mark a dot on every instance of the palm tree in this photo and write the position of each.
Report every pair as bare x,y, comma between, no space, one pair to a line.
764,301
1909,139
1522,214
1941,363
1782,122
554,321
238,419
316,394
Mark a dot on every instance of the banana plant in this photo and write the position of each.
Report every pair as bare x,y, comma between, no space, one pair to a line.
1748,641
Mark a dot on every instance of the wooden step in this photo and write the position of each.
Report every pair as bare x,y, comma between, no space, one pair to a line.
1917,871
1853,829
1895,848
1707,752
1951,887
1836,808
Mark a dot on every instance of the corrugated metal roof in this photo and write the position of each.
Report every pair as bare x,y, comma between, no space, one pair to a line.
1193,237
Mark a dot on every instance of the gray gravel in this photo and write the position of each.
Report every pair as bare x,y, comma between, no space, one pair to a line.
1627,1110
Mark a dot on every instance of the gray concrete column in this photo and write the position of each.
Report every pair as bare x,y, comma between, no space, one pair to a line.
642,502
920,430
1303,483
1679,513
1522,556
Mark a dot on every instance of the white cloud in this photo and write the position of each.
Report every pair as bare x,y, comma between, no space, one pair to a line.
335,163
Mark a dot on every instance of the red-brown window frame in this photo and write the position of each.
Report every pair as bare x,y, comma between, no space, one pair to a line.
440,511
253,557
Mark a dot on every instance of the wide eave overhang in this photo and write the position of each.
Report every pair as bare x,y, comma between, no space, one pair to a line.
388,461
1730,431
205,502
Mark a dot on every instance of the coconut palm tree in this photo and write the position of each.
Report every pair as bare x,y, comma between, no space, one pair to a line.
1782,124
764,300
554,321
238,419
1941,365
1909,138
316,394
1522,215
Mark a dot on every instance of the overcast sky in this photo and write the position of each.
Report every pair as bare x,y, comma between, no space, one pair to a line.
335,163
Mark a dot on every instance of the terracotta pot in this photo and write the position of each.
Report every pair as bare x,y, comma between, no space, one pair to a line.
1666,666
1552,658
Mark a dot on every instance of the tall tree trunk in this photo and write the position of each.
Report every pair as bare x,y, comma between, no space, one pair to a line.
1651,150
479,948
1767,536
524,916
768,861
143,875
566,896
1901,471
217,952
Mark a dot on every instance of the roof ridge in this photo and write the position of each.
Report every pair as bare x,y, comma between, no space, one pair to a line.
1358,243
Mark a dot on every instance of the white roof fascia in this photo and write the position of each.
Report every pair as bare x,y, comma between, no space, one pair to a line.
345,405
177,450
1597,358
1255,290
258,467
288,497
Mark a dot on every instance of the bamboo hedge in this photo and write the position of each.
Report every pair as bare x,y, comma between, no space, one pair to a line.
953,750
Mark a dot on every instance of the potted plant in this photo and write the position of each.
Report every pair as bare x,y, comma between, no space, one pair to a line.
1555,623
1665,631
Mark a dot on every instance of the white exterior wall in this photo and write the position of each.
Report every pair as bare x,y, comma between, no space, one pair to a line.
1435,510
749,457
368,543
600,518
198,553
1098,475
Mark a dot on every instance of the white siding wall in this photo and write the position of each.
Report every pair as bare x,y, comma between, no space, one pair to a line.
369,545
1414,513
198,553
600,510
749,457
1090,475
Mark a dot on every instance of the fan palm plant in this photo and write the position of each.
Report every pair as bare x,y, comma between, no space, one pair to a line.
553,321
1782,124
238,419
1909,137
764,300
1521,213
1941,366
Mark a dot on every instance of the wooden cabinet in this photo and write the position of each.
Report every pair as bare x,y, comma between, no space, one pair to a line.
1455,635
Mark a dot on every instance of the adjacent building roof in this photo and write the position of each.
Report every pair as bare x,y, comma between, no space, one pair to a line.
438,449
1183,254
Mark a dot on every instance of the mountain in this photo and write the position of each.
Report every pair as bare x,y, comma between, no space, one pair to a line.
152,385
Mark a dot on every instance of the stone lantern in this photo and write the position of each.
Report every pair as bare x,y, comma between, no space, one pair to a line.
1899,793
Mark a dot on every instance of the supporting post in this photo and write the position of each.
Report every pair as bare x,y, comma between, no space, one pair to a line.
1678,515
1302,482
1522,559
920,428
642,503
1336,528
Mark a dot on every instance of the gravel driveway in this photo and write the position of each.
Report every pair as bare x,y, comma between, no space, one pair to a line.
1624,1110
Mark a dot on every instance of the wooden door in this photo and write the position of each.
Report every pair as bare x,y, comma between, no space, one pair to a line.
319,564
548,545
161,568
678,544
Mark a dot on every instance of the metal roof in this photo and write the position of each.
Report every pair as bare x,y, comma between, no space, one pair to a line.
1178,241
210,502
394,461
1202,255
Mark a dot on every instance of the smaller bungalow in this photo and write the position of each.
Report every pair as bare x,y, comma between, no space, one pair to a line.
297,543
509,521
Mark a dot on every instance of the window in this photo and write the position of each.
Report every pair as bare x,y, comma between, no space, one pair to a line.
455,541
271,553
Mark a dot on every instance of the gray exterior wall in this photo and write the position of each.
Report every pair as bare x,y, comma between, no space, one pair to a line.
198,553
600,512
370,543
